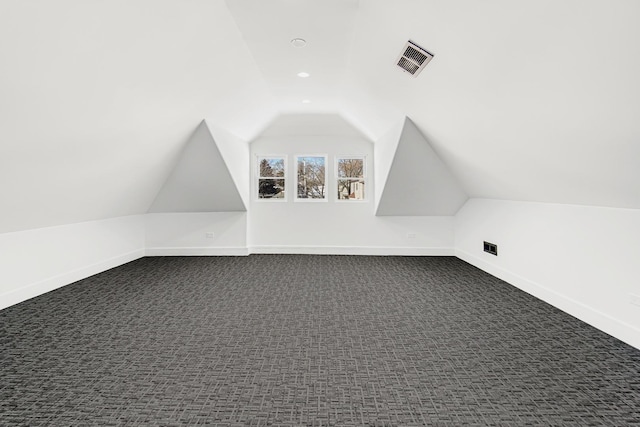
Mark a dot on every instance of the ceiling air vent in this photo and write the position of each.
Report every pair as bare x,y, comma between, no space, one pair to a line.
413,58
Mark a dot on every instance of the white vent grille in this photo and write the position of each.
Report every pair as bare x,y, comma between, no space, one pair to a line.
413,58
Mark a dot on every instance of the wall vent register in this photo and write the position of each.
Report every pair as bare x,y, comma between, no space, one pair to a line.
413,59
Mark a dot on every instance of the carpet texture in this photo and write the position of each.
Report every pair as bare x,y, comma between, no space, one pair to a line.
301,340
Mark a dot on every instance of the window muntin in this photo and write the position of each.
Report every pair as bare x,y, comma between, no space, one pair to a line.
311,181
350,172
271,172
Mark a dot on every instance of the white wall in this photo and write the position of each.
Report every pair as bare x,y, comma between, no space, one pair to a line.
583,260
332,226
235,153
186,233
418,182
201,180
37,261
385,150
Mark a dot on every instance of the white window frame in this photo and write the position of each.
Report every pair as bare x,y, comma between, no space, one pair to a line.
364,177
326,178
257,178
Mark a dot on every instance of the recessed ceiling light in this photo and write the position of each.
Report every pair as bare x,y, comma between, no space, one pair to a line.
303,74
299,42
306,101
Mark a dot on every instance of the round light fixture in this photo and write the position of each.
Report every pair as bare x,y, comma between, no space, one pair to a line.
303,75
299,42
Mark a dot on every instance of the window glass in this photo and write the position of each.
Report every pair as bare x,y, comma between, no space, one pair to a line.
311,182
271,177
351,178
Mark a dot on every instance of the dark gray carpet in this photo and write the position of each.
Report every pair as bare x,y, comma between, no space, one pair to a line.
295,340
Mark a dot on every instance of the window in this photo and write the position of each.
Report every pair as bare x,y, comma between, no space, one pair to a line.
271,177
351,178
311,182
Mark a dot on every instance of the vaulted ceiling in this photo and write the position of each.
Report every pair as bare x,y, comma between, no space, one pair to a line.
524,100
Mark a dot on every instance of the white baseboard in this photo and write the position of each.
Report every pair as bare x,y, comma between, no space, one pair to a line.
352,250
606,323
315,250
285,249
38,288
198,251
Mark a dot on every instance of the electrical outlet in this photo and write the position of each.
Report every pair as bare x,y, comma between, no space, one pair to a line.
634,299
411,235
491,248
209,234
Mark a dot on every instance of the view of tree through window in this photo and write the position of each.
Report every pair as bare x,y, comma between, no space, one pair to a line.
271,181
311,177
350,178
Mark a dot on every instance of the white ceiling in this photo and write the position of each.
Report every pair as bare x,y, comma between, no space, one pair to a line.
268,27
98,98
524,100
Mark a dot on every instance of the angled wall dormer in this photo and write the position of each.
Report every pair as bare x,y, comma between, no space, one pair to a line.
201,180
412,180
